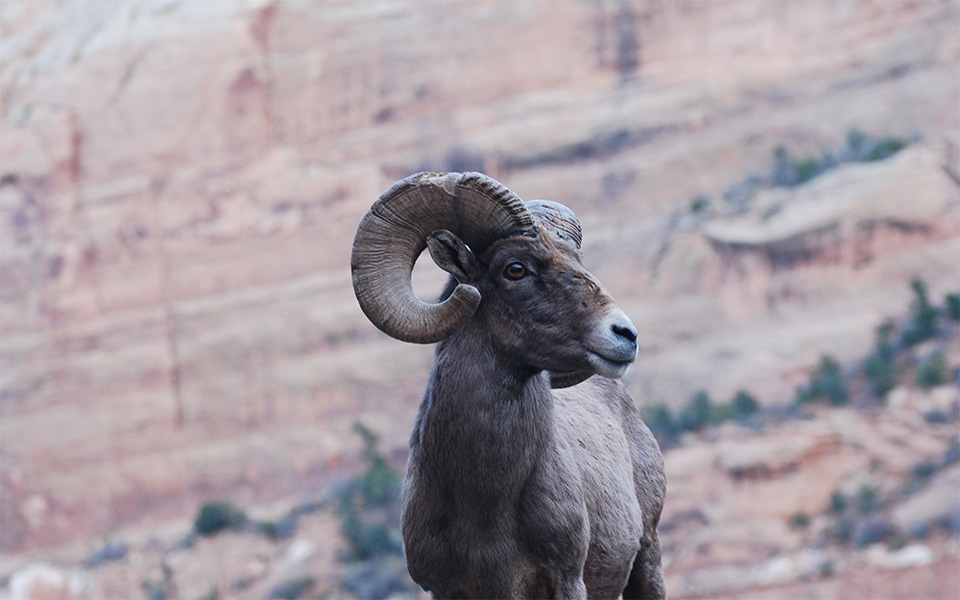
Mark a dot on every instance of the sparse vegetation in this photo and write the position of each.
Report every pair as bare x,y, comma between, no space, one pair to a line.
699,204
789,171
368,508
696,413
744,404
952,303
215,517
866,499
923,316
662,424
871,530
800,520
933,371
881,366
885,148
368,505
826,383
838,502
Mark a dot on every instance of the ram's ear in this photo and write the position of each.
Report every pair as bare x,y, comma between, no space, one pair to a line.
453,256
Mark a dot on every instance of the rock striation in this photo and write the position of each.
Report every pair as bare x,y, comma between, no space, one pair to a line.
180,182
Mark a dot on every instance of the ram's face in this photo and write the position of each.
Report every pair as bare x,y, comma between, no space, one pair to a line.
541,307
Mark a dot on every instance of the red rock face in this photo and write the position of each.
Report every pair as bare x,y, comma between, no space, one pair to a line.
181,182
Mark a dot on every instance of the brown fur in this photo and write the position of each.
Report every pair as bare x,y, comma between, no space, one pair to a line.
514,489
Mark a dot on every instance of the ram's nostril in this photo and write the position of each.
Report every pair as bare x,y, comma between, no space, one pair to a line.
629,333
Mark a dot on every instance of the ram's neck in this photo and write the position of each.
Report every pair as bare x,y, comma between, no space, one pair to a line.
484,423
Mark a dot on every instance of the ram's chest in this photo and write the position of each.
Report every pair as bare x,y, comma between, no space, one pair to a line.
462,550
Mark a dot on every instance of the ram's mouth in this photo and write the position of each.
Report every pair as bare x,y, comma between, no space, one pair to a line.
608,366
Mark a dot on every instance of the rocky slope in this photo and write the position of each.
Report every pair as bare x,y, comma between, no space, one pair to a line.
180,183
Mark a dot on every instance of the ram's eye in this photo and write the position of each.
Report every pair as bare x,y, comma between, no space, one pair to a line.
515,271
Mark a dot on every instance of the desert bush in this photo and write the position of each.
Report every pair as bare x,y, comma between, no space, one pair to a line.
807,168
842,529
872,529
936,417
744,404
952,305
788,171
949,523
696,413
699,204
838,502
109,553
368,505
881,366
885,148
866,499
661,422
215,517
281,529
826,383
923,316
919,530
800,520
933,371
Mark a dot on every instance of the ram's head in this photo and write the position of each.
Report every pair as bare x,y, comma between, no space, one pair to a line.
518,270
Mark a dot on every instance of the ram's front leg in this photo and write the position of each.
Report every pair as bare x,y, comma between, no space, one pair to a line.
571,588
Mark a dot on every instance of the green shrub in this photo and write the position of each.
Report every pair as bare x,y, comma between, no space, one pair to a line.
925,470
881,366
699,204
858,143
952,303
800,520
933,371
885,148
807,168
367,506
661,422
215,517
872,529
696,413
719,413
923,323
366,539
866,499
826,383
744,404
842,529
838,502
936,417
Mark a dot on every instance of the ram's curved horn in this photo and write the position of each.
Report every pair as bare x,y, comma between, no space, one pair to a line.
557,218
393,233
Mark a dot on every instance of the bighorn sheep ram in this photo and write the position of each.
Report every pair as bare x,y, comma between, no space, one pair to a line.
527,477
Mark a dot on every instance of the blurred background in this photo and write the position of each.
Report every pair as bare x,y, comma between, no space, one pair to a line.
193,406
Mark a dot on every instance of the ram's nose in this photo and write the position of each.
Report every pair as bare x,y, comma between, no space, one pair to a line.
624,337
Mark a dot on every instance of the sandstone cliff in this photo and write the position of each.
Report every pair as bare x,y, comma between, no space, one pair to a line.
180,182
